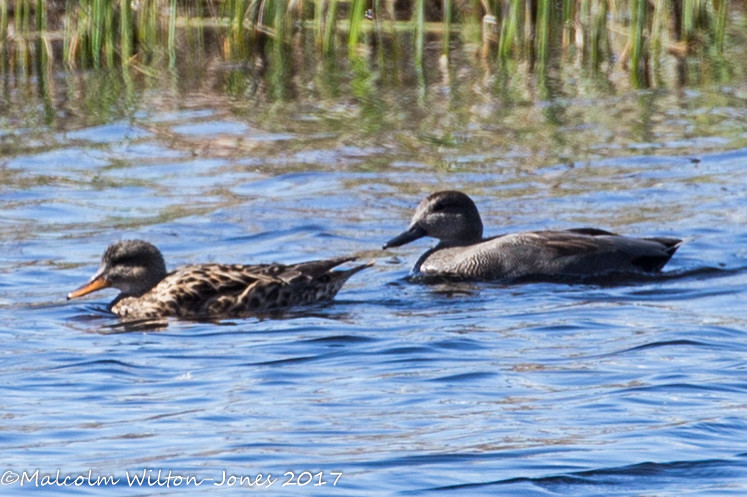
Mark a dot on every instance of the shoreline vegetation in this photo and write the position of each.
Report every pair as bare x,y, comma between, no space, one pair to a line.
651,40
285,107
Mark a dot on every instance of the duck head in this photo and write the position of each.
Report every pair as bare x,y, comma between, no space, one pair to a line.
450,216
131,266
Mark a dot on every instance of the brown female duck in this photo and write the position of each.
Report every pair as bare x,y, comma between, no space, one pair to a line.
462,252
196,291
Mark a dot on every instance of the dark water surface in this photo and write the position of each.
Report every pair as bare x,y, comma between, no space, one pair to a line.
627,388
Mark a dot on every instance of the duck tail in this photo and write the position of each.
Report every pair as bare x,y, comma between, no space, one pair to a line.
350,272
670,244
315,269
655,262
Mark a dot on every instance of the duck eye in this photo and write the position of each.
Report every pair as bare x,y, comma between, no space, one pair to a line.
125,260
439,206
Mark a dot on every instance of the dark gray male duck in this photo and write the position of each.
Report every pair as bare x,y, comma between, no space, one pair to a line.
462,252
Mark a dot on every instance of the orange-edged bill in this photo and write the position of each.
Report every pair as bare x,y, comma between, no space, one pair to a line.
96,283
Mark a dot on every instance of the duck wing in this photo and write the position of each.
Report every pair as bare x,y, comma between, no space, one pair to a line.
589,251
580,252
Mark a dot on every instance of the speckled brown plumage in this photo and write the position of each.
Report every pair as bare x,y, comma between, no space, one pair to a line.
210,290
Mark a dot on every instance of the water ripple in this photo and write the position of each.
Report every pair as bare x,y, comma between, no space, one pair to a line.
599,387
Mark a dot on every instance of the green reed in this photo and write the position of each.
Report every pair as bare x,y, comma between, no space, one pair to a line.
98,13
236,43
329,27
125,31
599,45
722,13
543,22
4,66
512,28
639,9
3,23
419,31
447,6
172,34
642,34
357,17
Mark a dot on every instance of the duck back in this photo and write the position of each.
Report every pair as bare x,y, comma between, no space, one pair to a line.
580,252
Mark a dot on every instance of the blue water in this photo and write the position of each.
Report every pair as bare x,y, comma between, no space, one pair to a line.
627,388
